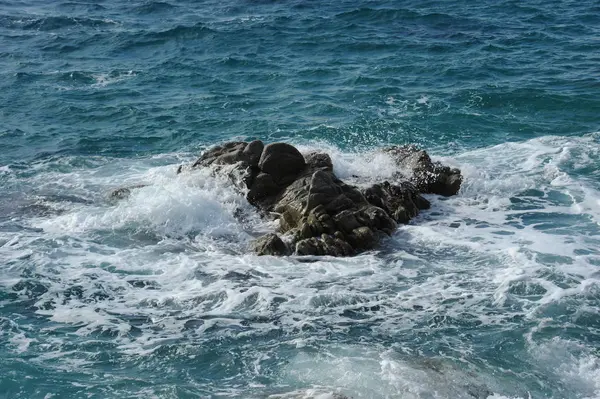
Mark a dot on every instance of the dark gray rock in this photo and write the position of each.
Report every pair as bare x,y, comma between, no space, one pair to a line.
231,153
326,244
362,238
262,188
319,160
270,244
429,177
243,156
317,205
319,213
401,201
124,192
282,161
252,152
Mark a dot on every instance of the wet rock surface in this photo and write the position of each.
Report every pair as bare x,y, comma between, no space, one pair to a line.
428,177
124,192
318,213
270,244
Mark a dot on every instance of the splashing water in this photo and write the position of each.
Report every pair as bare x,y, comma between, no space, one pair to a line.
461,303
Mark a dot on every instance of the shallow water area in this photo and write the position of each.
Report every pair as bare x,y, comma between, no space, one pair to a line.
493,293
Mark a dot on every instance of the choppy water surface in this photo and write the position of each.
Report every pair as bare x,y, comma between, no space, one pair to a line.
494,293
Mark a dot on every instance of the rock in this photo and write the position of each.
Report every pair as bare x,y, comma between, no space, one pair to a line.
231,153
252,152
452,182
362,238
323,190
401,201
478,391
325,215
429,177
324,245
346,221
262,187
282,161
270,244
317,205
319,160
319,213
124,192
243,156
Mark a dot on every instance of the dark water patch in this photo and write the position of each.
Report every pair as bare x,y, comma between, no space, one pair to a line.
27,77
558,223
87,43
154,7
383,15
148,38
196,31
30,288
86,7
132,235
62,46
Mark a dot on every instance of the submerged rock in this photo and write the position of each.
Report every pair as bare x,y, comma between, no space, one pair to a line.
124,192
320,213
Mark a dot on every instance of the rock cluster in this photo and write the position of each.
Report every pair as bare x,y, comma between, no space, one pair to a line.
319,214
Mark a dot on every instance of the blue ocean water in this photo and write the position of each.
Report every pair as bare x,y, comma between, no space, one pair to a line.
494,293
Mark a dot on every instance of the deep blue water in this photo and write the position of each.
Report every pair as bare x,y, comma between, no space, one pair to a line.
492,293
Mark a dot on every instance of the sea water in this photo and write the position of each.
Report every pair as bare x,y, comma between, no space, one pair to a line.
493,293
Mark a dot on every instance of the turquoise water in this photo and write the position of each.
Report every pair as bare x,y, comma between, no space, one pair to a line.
492,293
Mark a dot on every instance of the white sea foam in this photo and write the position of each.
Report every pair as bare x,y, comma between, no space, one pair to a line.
361,372
20,342
171,205
352,166
399,107
105,79
176,251
572,363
